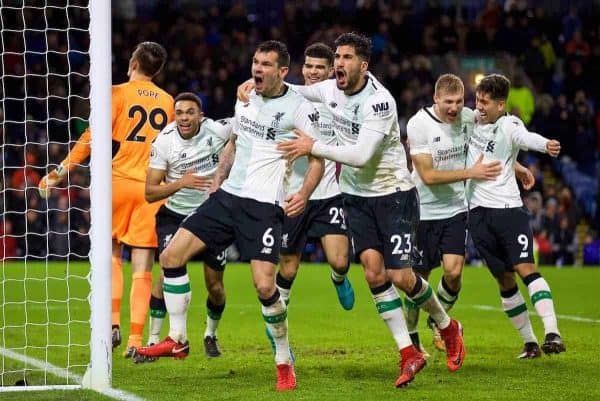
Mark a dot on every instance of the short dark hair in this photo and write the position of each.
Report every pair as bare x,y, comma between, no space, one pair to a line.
362,44
151,57
189,96
495,85
319,50
283,56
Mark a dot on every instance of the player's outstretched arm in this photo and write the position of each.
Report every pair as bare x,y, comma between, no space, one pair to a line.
356,155
75,157
225,162
431,176
553,148
296,203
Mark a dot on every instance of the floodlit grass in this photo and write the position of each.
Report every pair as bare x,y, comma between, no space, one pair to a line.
340,355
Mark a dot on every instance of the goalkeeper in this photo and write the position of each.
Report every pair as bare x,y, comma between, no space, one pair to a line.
140,110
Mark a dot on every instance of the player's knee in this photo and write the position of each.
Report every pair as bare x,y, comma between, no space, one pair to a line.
216,289
288,268
339,263
169,258
453,275
264,289
374,278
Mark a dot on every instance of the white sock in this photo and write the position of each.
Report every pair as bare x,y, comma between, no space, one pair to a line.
337,277
178,294
275,316
541,298
389,307
516,310
285,294
426,300
446,299
411,312
156,324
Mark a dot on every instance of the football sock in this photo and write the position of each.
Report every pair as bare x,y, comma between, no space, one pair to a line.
422,295
284,286
274,312
541,298
117,290
178,293
141,287
158,311
445,295
213,316
515,308
412,316
389,307
337,277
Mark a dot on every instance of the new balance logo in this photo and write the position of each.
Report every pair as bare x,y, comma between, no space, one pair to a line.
524,254
209,142
183,155
266,251
490,146
271,134
167,240
314,117
379,107
437,139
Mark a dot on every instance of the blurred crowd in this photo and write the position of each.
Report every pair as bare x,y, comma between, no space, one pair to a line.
549,49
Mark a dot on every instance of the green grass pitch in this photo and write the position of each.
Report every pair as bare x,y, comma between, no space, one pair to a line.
340,355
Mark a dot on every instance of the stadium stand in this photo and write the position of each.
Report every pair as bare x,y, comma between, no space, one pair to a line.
553,46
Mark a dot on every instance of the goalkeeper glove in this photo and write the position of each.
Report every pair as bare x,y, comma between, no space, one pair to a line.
52,179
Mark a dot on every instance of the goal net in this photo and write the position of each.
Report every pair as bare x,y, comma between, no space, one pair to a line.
54,278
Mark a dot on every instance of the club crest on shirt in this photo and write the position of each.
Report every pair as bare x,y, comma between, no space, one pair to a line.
355,111
277,119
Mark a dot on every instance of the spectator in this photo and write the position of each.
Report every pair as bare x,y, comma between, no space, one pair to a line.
591,249
520,99
564,244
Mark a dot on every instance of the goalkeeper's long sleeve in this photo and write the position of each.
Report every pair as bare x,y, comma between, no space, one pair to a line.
79,153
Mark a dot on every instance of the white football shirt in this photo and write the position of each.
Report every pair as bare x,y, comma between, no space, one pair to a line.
259,170
328,186
371,110
176,156
447,145
501,141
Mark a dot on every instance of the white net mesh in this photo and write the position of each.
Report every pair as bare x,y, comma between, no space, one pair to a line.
44,286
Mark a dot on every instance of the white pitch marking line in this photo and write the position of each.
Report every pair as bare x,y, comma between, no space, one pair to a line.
564,317
65,374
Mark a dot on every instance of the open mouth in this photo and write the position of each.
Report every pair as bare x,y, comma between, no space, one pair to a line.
340,77
258,82
185,127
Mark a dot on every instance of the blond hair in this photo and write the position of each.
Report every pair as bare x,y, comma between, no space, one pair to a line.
449,83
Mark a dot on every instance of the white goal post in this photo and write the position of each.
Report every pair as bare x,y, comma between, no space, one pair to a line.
55,314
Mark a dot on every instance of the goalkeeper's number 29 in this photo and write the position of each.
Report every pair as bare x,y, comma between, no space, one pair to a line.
157,119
